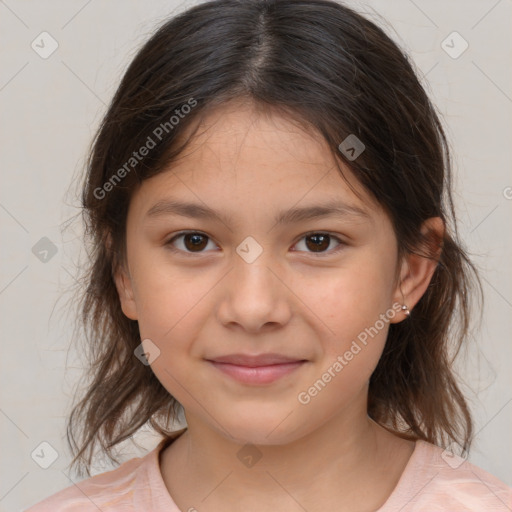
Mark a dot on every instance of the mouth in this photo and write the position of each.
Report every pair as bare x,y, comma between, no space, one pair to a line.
256,370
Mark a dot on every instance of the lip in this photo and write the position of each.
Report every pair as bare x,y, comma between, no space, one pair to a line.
255,360
257,370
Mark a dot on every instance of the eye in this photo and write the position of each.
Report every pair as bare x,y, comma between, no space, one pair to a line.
317,242
193,242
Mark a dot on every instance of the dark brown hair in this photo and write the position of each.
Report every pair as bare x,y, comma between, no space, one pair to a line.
335,71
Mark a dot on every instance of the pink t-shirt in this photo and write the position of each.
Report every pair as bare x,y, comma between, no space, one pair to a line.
429,483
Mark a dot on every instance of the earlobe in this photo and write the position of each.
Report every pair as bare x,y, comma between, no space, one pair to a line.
417,269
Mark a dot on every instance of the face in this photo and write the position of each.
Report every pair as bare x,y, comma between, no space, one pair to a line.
269,272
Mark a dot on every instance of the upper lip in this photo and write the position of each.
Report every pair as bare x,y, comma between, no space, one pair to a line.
255,360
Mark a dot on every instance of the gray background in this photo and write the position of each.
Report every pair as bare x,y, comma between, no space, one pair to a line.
50,109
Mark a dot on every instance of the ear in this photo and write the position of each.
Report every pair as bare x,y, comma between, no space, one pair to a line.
124,285
416,271
125,291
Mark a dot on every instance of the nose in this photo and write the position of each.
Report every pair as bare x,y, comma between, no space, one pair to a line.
254,297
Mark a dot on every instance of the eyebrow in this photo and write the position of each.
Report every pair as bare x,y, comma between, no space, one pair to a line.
333,208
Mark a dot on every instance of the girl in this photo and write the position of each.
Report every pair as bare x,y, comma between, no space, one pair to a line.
275,255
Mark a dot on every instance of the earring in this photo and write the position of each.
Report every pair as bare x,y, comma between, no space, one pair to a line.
405,309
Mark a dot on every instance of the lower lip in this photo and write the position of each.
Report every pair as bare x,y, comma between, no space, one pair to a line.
259,374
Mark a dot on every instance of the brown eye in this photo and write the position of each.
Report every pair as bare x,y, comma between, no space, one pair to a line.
319,243
195,241
191,242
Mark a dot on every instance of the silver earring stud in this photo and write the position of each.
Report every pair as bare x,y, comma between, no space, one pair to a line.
405,309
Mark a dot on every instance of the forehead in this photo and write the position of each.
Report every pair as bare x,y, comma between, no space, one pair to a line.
243,155
238,128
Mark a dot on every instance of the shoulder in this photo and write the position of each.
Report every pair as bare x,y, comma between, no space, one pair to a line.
109,491
437,480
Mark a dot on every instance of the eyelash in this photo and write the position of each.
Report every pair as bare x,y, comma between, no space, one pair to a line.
341,245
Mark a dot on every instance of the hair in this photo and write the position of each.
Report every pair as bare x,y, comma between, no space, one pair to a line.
331,69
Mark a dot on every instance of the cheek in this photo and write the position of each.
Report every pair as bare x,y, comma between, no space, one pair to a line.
172,303
350,353
357,307
356,296
166,303
172,309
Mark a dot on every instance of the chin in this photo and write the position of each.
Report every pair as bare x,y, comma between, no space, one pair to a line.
264,430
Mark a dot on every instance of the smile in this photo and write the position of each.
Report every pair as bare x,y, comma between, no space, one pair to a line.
257,375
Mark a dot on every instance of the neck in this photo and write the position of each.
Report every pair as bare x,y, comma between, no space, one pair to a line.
341,460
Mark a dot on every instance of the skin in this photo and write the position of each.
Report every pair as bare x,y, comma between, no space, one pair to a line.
290,300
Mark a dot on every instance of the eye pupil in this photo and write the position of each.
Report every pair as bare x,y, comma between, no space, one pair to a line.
321,242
